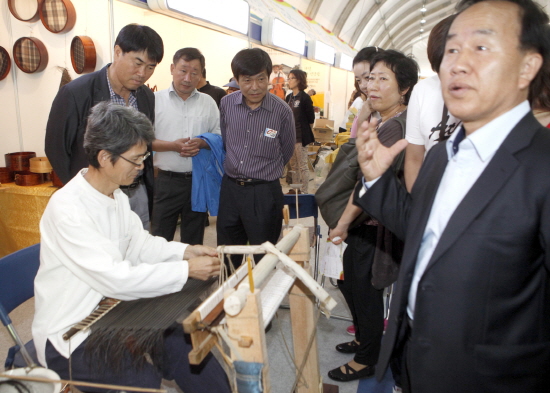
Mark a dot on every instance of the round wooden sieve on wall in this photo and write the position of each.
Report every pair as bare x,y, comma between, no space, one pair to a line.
83,54
30,55
24,10
58,16
5,63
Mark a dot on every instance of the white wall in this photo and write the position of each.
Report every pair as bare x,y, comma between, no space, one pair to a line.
25,99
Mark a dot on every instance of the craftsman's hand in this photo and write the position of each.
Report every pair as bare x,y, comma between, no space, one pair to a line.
192,146
199,251
202,268
339,234
373,157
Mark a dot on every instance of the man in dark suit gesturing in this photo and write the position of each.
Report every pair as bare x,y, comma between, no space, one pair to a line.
471,309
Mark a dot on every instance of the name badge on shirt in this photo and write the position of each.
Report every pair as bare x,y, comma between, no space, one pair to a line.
270,133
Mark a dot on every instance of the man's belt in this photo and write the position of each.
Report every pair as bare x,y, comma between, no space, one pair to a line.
183,175
248,182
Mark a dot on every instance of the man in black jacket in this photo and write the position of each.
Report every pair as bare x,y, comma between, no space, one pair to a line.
138,49
217,93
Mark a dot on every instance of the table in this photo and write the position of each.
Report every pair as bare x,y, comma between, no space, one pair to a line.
20,211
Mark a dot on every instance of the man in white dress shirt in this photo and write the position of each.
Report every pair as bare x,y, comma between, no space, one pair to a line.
471,308
182,113
93,246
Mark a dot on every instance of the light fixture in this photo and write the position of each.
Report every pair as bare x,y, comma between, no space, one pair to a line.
423,9
423,21
277,33
422,30
231,14
318,50
344,61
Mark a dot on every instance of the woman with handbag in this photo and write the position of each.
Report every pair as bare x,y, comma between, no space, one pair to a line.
387,79
304,116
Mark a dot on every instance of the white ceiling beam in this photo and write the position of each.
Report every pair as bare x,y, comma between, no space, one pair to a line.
344,16
313,8
361,26
399,28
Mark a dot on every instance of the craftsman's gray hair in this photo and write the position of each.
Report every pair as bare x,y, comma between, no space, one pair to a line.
116,129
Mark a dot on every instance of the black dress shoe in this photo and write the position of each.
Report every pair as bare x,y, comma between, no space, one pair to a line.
350,374
349,347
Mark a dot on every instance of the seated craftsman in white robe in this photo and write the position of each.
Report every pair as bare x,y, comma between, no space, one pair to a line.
93,246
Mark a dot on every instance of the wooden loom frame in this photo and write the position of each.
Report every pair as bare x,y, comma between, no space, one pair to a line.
246,328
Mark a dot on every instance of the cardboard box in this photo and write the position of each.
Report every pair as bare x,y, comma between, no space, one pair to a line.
323,130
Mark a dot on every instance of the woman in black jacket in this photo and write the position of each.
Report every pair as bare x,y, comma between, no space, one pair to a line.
302,107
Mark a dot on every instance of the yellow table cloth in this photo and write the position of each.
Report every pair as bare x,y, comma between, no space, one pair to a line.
341,138
20,211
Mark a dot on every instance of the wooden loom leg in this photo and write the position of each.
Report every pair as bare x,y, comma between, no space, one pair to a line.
246,331
302,316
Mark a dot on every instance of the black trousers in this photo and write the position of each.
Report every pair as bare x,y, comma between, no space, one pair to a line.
207,377
249,214
365,302
172,200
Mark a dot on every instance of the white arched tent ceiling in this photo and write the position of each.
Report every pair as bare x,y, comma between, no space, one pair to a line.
389,24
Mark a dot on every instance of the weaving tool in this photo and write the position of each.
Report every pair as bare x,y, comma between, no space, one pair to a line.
137,325
248,313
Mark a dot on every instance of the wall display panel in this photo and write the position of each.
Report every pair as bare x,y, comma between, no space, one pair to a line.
218,48
30,55
340,91
278,57
24,10
25,100
5,63
58,16
318,79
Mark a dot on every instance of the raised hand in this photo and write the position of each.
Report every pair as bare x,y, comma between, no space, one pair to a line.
373,157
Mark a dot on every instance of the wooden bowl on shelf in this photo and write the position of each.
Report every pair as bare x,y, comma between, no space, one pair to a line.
19,161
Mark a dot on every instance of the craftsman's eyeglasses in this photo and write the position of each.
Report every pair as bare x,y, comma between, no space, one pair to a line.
138,161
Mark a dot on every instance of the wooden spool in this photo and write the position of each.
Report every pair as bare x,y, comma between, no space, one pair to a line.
26,178
40,165
30,55
83,54
19,161
24,10
5,63
58,16
6,175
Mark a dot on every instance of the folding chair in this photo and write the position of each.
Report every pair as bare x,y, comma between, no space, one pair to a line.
17,272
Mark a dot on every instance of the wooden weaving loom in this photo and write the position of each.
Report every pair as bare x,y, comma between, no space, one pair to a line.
247,312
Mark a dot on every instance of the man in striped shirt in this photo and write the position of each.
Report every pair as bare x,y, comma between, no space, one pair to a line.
258,133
